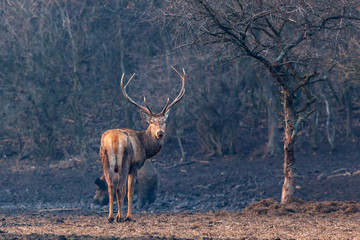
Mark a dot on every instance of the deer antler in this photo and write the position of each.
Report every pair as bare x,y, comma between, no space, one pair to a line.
181,93
167,106
123,89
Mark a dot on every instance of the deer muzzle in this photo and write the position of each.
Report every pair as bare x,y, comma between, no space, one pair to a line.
160,134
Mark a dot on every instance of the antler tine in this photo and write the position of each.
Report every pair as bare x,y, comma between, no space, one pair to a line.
181,93
178,72
147,105
167,103
122,79
123,89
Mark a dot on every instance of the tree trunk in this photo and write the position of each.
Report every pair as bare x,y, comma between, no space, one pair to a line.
349,110
314,130
330,123
272,146
288,188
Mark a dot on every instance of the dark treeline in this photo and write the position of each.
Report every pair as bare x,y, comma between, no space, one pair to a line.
61,63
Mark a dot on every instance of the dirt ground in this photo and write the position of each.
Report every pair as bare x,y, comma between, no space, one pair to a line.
185,225
232,197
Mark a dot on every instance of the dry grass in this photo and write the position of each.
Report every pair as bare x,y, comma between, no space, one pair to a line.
218,225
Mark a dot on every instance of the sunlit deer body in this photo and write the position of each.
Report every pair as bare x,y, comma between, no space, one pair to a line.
124,151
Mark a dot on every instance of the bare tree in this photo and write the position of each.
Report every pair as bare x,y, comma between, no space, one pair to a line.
348,84
61,61
286,37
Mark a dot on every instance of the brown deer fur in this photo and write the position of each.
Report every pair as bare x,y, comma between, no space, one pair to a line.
123,152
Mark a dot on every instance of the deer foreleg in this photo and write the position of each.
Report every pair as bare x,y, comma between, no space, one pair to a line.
131,187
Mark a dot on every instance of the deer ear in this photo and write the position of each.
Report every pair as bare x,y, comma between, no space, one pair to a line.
145,116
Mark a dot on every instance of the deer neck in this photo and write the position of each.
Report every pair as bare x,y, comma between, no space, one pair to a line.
151,144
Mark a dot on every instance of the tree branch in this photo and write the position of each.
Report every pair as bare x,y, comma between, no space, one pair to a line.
299,121
306,105
304,82
240,42
326,20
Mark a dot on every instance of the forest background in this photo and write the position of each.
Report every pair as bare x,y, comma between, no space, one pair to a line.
60,68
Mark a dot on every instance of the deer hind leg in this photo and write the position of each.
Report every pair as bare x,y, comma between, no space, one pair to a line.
131,187
120,195
121,186
108,175
110,184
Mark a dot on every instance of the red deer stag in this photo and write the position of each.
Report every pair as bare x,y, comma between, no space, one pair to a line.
124,151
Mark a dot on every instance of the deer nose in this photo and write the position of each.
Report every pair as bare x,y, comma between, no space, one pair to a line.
160,134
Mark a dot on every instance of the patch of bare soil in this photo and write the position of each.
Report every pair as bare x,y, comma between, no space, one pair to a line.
271,207
262,220
232,197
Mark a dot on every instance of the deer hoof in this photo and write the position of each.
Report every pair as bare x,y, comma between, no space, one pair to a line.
119,219
129,219
111,219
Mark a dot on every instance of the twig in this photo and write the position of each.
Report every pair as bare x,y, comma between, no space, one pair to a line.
180,164
303,108
58,209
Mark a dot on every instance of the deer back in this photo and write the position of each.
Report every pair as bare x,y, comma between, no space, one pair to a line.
121,145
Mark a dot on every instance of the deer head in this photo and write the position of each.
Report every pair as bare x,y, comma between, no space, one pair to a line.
157,121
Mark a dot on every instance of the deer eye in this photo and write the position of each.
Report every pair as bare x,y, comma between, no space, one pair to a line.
151,121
